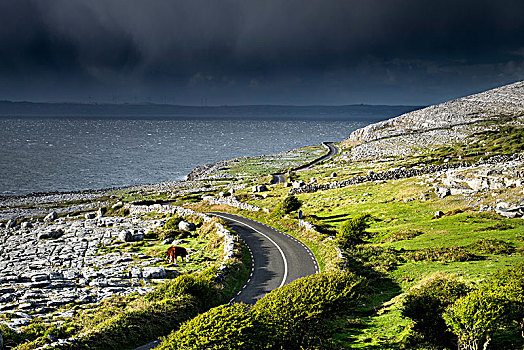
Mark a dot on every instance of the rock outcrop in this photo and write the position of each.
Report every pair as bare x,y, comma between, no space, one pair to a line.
437,125
505,101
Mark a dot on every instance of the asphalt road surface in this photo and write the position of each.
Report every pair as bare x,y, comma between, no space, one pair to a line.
277,257
279,178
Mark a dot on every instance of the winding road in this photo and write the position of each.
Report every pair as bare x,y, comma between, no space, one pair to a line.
277,258
332,151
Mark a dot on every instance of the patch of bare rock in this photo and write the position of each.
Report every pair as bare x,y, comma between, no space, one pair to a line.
437,125
48,264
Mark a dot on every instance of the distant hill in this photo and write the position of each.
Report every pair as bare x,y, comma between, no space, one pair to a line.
439,125
502,102
371,113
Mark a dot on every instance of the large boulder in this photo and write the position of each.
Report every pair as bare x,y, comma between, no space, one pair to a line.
186,226
438,214
503,208
167,241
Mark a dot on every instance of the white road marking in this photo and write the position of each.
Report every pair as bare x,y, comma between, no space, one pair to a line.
272,241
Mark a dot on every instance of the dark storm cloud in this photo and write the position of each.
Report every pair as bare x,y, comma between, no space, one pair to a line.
309,47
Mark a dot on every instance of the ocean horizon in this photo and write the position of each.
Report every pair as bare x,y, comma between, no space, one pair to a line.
43,154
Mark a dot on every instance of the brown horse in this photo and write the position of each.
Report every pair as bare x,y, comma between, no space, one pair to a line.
174,252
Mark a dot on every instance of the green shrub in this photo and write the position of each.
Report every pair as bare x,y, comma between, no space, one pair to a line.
378,258
402,235
223,327
201,286
352,231
426,303
444,255
192,198
510,284
124,322
492,246
288,205
172,223
296,316
291,176
139,325
476,317
299,315
495,309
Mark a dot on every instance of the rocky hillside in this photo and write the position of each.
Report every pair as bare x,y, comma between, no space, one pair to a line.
437,125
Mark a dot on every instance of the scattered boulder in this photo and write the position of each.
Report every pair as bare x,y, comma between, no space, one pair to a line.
438,214
125,236
39,278
90,216
151,272
100,212
51,217
117,205
504,209
167,241
137,237
259,188
186,226
334,174
11,223
442,192
48,234
288,184
26,225
298,184
179,241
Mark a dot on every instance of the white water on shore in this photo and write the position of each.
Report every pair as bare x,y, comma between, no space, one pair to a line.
73,154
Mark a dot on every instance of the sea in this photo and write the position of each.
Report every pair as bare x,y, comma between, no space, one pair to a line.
42,154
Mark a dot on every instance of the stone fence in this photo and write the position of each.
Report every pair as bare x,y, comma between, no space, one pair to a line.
232,201
401,173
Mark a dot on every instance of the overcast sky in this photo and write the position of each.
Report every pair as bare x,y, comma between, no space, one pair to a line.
218,52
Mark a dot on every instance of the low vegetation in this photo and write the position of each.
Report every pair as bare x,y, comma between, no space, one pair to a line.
288,205
301,315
